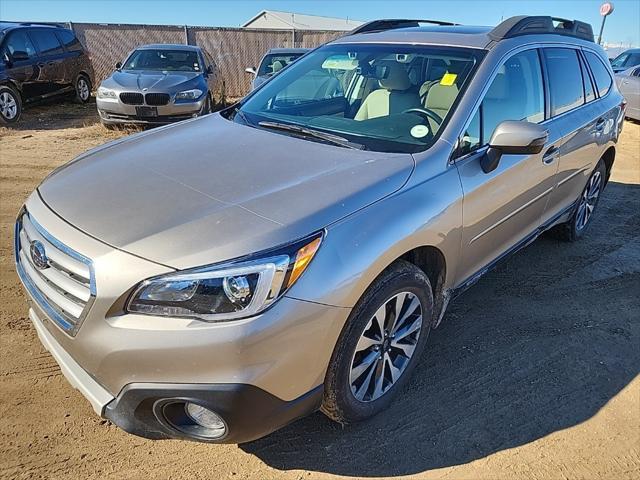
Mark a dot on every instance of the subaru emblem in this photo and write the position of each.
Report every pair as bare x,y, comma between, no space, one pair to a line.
38,255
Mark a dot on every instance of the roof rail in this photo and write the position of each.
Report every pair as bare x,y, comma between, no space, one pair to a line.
533,25
40,24
393,23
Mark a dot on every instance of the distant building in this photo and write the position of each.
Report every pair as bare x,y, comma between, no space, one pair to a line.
298,21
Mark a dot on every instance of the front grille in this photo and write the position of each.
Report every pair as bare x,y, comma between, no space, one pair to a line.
156,98
65,288
131,98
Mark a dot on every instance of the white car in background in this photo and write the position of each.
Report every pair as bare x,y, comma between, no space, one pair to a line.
629,85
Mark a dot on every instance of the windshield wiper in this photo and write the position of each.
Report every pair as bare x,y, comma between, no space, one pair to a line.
308,132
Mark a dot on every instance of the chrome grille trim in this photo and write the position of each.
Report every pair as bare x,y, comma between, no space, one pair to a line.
66,289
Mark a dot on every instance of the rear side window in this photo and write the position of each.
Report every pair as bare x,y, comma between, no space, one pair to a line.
589,92
600,73
69,40
47,41
565,79
19,45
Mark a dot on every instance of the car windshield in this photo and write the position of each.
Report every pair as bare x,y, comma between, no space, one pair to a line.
274,62
163,60
388,98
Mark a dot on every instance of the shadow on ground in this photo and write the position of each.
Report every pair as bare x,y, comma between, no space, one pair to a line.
540,344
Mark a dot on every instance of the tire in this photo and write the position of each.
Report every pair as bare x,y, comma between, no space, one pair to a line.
576,227
206,108
83,89
10,105
350,396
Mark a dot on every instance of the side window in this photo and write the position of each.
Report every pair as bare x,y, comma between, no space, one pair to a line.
516,93
47,41
600,73
589,92
19,45
471,138
636,73
565,79
69,40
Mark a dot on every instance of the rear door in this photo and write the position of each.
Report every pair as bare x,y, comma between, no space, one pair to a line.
571,97
503,207
51,69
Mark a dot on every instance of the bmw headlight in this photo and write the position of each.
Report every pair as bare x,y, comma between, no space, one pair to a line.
226,291
106,93
189,94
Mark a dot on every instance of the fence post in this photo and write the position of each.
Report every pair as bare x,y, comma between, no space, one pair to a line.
186,35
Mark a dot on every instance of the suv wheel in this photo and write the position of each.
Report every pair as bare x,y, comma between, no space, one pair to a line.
380,344
10,105
577,225
83,89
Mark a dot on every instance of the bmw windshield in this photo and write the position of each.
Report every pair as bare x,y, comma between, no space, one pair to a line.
389,98
163,61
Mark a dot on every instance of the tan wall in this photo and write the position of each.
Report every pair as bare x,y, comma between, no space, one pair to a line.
233,49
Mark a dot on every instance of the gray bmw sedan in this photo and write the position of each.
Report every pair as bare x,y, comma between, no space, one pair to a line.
157,84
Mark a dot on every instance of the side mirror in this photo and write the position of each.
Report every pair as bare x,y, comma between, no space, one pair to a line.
118,65
515,138
210,70
251,70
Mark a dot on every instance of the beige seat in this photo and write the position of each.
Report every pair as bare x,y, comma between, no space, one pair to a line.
394,96
277,66
440,98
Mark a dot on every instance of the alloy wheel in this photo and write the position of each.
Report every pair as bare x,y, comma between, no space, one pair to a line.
83,89
386,347
8,106
588,200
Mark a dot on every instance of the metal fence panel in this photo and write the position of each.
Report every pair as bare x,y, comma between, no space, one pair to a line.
233,49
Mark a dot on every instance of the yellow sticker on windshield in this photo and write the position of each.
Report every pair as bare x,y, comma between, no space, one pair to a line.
448,79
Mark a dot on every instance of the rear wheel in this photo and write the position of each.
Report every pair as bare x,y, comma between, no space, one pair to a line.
582,216
10,105
83,89
380,344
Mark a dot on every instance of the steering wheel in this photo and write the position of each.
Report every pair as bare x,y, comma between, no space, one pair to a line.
425,112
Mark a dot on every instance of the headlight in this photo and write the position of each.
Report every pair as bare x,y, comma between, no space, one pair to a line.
226,291
106,93
189,94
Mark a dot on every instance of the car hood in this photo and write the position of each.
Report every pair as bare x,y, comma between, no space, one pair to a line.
208,190
151,80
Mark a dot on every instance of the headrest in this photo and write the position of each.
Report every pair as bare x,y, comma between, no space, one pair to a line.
397,77
277,66
441,97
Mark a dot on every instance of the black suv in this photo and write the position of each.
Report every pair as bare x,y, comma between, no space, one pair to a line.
37,62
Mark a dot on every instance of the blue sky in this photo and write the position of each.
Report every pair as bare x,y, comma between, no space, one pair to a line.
621,27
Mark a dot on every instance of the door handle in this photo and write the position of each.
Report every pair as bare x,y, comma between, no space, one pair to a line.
51,64
41,64
550,155
600,124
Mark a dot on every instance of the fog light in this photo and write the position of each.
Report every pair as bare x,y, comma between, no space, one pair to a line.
214,425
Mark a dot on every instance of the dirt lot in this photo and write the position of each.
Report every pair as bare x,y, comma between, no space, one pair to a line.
534,372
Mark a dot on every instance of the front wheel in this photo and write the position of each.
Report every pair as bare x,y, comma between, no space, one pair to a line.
10,106
380,344
582,216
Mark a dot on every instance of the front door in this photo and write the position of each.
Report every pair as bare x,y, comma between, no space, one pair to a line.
502,208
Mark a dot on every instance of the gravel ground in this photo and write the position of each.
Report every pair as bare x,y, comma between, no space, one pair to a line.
534,372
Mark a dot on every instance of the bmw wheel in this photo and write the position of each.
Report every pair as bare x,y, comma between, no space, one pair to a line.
10,105
380,344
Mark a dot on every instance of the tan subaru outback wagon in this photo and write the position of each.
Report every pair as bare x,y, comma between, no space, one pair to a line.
216,279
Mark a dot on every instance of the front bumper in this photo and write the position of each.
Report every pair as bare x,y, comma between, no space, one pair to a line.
116,112
282,354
